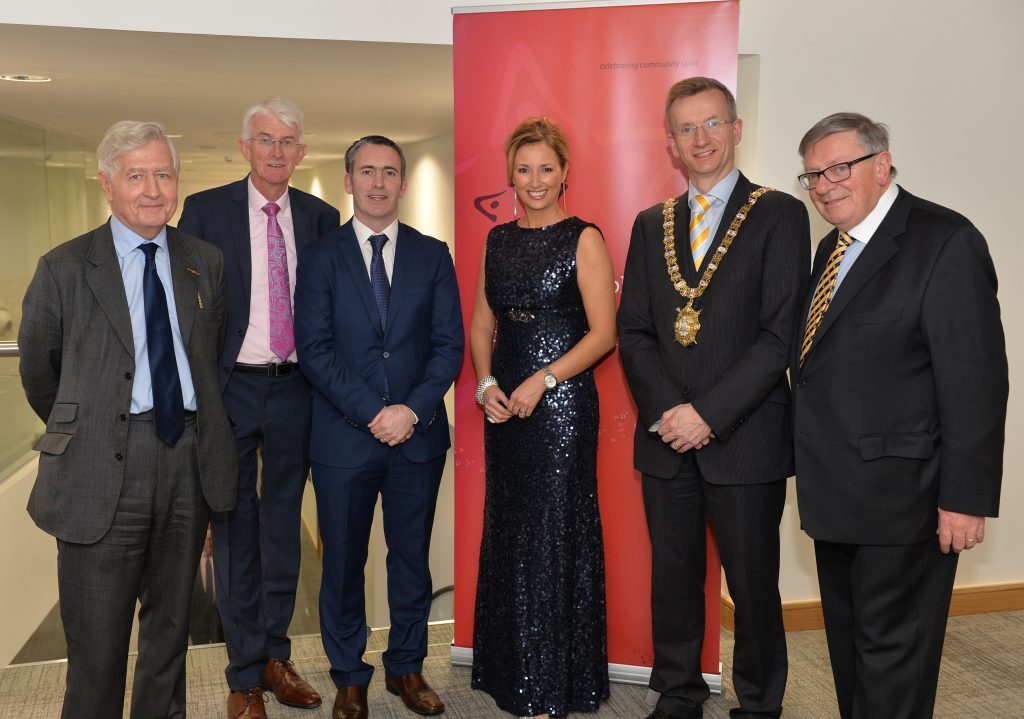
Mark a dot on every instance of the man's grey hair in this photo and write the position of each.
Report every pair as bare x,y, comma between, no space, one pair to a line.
873,136
350,153
127,135
284,111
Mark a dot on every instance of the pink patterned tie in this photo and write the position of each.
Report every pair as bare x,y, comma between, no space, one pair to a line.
282,333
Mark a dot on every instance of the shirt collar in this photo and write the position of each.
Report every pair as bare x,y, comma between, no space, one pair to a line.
721,191
257,201
363,233
864,231
126,240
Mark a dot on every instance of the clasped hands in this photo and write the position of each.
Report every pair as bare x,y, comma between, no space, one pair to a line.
393,424
500,408
683,429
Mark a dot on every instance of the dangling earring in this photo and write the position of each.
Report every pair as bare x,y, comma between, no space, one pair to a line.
515,204
565,199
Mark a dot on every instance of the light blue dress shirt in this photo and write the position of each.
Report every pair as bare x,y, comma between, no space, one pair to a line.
133,263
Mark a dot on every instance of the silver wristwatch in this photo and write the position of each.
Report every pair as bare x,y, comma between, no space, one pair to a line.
550,381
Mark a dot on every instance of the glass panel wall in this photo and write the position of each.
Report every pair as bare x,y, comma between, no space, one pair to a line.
48,194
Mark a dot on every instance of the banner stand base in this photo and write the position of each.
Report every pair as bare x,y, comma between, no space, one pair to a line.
619,673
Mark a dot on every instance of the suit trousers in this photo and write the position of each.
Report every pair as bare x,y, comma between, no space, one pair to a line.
745,519
345,499
258,546
149,554
885,613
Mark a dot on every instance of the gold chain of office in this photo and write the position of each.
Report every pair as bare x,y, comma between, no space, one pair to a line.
687,322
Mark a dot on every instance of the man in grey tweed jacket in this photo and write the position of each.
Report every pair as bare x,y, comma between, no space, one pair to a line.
129,508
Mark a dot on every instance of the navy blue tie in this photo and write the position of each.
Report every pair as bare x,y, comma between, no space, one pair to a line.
379,278
168,407
381,289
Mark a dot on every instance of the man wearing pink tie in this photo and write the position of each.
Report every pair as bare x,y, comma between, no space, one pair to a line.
258,223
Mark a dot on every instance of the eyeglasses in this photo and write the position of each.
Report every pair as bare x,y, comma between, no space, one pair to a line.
835,173
287,144
708,125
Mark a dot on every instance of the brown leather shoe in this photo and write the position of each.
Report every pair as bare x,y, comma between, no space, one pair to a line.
350,703
289,688
247,705
416,694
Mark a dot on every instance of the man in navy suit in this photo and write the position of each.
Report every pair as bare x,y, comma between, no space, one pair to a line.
260,223
378,326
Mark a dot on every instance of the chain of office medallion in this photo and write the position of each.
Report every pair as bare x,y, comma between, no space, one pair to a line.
669,214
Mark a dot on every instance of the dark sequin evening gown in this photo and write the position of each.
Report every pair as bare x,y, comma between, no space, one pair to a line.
540,636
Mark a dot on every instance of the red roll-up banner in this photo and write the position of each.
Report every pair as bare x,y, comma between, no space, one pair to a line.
602,73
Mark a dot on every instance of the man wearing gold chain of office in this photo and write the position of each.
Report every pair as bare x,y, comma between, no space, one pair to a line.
709,307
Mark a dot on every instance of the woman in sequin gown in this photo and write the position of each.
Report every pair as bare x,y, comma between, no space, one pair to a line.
546,286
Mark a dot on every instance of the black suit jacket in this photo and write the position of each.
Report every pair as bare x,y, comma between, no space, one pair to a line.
77,364
900,404
735,375
221,216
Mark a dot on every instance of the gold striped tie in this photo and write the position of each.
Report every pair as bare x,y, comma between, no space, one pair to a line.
699,230
823,292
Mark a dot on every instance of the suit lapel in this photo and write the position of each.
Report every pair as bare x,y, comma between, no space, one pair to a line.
352,257
107,285
405,264
301,225
185,277
239,221
881,248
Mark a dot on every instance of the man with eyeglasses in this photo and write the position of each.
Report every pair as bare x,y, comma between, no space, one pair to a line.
713,281
259,223
900,390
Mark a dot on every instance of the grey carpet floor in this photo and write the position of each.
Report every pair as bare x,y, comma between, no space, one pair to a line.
982,676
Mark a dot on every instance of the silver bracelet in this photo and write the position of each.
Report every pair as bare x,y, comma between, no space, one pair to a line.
482,386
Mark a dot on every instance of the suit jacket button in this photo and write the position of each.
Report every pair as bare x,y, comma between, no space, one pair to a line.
118,456
227,370
241,333
123,417
128,375
386,355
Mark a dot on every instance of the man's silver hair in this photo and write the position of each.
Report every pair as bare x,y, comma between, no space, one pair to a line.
128,135
284,111
873,136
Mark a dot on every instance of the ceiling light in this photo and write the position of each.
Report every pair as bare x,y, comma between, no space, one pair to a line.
25,78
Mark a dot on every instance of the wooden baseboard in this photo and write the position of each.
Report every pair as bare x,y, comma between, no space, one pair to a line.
976,599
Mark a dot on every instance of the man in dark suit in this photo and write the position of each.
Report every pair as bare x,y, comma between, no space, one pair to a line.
379,330
705,328
260,223
899,405
119,342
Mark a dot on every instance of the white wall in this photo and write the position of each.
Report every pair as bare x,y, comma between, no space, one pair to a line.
26,554
942,75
